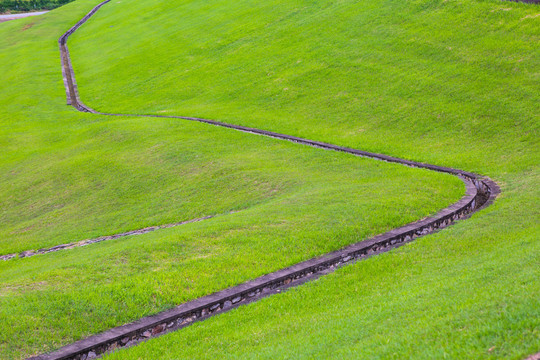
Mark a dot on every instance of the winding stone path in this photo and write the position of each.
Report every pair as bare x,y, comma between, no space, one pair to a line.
481,191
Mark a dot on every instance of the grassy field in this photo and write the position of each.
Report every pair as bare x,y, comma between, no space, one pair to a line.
453,83
67,176
448,82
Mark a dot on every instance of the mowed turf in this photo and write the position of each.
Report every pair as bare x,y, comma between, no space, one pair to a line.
68,176
453,83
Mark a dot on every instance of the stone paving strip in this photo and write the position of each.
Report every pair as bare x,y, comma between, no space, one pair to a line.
72,245
480,192
534,357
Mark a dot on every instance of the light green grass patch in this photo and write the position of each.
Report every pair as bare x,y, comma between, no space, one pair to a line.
452,83
67,176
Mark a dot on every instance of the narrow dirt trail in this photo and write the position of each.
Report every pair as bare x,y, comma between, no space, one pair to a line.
481,191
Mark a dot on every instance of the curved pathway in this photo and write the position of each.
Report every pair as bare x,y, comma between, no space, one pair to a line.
481,191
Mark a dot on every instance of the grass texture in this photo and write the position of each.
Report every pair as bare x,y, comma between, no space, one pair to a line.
451,83
68,176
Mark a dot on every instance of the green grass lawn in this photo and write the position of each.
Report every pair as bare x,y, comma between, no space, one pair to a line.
453,83
446,82
68,176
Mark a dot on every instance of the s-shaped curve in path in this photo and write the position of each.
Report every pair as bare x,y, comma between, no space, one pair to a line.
481,191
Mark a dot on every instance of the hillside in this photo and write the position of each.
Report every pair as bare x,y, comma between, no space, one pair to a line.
451,83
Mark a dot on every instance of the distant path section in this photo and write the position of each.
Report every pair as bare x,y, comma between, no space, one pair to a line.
480,192
28,253
8,17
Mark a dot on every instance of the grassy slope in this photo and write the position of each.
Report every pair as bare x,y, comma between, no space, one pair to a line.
407,72
448,82
15,6
68,176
